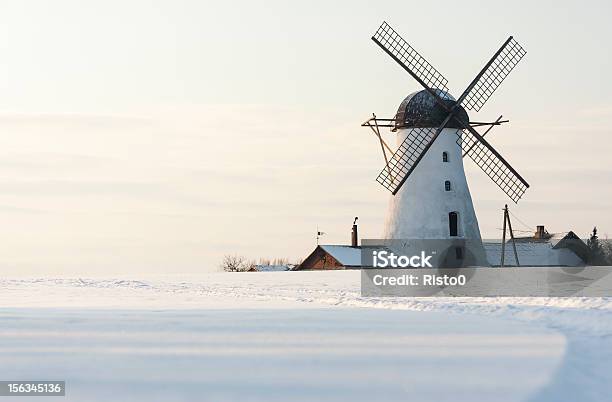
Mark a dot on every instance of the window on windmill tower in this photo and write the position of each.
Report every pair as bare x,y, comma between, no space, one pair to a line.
447,185
453,224
444,156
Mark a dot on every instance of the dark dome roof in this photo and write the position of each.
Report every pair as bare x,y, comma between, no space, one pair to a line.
420,109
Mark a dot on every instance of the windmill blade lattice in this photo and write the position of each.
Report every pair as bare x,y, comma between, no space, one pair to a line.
504,62
497,169
392,43
406,157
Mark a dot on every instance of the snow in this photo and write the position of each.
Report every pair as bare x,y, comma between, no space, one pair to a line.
274,268
298,336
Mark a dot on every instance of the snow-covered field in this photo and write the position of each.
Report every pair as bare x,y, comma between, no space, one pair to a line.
297,336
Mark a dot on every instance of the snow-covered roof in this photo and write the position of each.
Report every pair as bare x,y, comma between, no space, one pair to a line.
345,255
274,268
532,254
550,238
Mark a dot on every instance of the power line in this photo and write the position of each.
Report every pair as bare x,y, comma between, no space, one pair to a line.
518,230
530,227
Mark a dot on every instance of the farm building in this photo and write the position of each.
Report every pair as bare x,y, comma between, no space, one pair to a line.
541,249
332,257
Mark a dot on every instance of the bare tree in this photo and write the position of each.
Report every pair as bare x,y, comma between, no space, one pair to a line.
235,263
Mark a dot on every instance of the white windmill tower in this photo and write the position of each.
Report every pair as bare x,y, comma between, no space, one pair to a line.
430,195
435,201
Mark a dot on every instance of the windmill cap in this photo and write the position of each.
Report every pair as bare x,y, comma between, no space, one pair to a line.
420,109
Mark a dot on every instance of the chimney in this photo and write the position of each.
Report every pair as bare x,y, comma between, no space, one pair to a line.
540,232
354,235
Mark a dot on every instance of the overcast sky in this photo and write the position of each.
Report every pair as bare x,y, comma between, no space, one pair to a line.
157,136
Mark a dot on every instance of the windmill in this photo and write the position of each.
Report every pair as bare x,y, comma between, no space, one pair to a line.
425,172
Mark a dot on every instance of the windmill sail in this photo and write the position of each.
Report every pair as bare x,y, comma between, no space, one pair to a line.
407,57
491,77
406,158
492,164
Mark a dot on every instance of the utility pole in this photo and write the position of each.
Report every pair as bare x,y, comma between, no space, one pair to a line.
503,250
